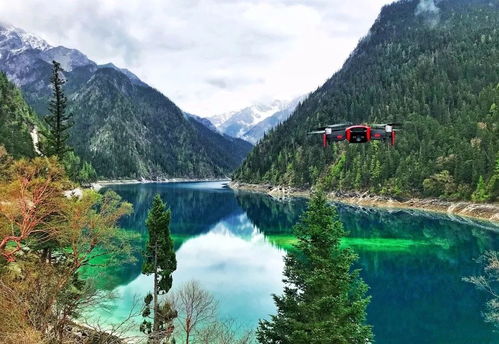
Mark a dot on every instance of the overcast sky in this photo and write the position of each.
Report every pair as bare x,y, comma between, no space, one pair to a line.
208,56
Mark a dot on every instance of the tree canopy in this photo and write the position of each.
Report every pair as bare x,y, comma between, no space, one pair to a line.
324,299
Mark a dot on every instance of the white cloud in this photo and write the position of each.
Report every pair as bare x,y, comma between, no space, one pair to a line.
208,56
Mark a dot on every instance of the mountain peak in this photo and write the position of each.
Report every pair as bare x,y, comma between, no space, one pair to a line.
68,58
238,123
20,49
17,40
133,78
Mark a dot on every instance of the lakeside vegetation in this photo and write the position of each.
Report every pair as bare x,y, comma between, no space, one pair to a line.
46,238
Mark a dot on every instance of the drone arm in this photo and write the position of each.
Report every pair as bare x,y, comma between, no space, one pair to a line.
337,136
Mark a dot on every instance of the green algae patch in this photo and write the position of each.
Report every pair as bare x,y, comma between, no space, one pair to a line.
287,242
180,239
383,244
284,241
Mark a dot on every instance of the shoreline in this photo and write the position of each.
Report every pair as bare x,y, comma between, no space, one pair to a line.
482,211
102,183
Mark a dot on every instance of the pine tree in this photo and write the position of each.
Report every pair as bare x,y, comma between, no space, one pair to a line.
480,194
324,300
81,172
159,260
493,185
58,120
87,174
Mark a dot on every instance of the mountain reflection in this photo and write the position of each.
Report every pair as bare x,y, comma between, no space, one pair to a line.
194,209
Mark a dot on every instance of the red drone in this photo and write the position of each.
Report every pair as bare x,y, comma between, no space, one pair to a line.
360,133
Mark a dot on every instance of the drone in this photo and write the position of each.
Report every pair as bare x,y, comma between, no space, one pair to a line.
361,133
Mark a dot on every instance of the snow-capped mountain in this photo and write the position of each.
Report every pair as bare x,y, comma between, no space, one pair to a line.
237,123
25,59
20,51
252,122
255,133
15,41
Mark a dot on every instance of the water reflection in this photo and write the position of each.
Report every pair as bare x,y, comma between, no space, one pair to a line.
232,242
196,207
240,270
238,266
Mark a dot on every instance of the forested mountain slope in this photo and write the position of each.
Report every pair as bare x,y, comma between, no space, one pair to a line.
125,128
436,69
16,120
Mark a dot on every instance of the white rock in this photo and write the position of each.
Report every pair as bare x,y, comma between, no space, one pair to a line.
78,193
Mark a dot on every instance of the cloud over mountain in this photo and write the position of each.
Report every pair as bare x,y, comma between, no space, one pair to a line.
209,56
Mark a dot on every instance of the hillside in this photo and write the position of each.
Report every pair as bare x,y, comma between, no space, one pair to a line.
16,120
225,155
124,127
436,69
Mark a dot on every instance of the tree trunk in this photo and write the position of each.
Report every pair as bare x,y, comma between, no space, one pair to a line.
155,327
188,330
44,256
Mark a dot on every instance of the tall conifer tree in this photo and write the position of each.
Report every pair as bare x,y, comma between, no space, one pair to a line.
58,120
324,300
160,261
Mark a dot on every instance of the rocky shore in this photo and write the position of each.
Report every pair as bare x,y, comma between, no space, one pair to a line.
82,334
483,211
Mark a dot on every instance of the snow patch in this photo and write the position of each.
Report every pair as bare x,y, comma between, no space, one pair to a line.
18,40
36,139
427,6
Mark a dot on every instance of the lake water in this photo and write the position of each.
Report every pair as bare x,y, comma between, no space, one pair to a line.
233,242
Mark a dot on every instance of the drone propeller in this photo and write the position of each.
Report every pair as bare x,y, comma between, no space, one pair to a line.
340,125
320,128
386,124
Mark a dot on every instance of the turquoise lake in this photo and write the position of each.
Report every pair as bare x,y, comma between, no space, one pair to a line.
233,242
